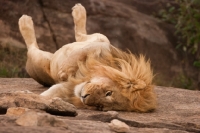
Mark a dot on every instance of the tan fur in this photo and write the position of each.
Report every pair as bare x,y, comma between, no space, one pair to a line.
90,72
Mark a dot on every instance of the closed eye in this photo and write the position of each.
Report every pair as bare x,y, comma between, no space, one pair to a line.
109,93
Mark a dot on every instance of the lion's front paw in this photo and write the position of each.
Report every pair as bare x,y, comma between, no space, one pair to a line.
27,29
79,12
25,23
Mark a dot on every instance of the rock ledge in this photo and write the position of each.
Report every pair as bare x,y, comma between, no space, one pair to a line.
25,111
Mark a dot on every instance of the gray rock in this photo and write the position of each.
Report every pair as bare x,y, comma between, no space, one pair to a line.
16,111
58,107
30,100
28,119
104,116
177,112
22,99
119,126
32,118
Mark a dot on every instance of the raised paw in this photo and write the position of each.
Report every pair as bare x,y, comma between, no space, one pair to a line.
25,22
27,29
78,12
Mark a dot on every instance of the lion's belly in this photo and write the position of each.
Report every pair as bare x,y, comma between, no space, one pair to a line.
63,55
66,57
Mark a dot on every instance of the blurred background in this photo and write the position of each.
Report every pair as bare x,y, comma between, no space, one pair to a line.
166,31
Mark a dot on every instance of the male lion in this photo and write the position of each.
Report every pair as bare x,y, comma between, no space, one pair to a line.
90,72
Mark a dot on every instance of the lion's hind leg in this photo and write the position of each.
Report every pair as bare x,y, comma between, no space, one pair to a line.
38,61
27,30
79,16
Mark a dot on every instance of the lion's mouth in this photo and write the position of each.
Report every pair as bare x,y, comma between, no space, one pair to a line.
83,97
99,107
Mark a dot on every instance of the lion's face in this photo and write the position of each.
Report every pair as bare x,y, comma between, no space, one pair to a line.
103,94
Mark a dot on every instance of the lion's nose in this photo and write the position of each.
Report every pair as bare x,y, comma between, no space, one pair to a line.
85,96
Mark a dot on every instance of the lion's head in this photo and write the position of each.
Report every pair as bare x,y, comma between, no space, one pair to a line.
102,93
124,84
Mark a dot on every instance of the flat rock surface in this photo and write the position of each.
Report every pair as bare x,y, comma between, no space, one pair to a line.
178,112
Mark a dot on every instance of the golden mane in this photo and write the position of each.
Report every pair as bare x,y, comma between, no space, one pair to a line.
133,75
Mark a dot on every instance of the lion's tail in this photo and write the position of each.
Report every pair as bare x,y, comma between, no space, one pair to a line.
27,30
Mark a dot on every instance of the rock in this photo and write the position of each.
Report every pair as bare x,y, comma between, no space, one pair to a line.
25,83
104,116
31,129
119,126
28,119
16,111
9,23
49,120
32,118
58,107
22,99
113,114
30,100
177,112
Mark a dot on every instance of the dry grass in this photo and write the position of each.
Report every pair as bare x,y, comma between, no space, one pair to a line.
12,62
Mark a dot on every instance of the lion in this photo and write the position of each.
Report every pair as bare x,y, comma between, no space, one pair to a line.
90,73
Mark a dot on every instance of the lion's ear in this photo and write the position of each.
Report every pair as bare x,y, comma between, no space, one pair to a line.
139,84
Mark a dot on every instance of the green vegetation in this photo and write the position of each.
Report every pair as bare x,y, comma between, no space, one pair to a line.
12,62
182,81
185,15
